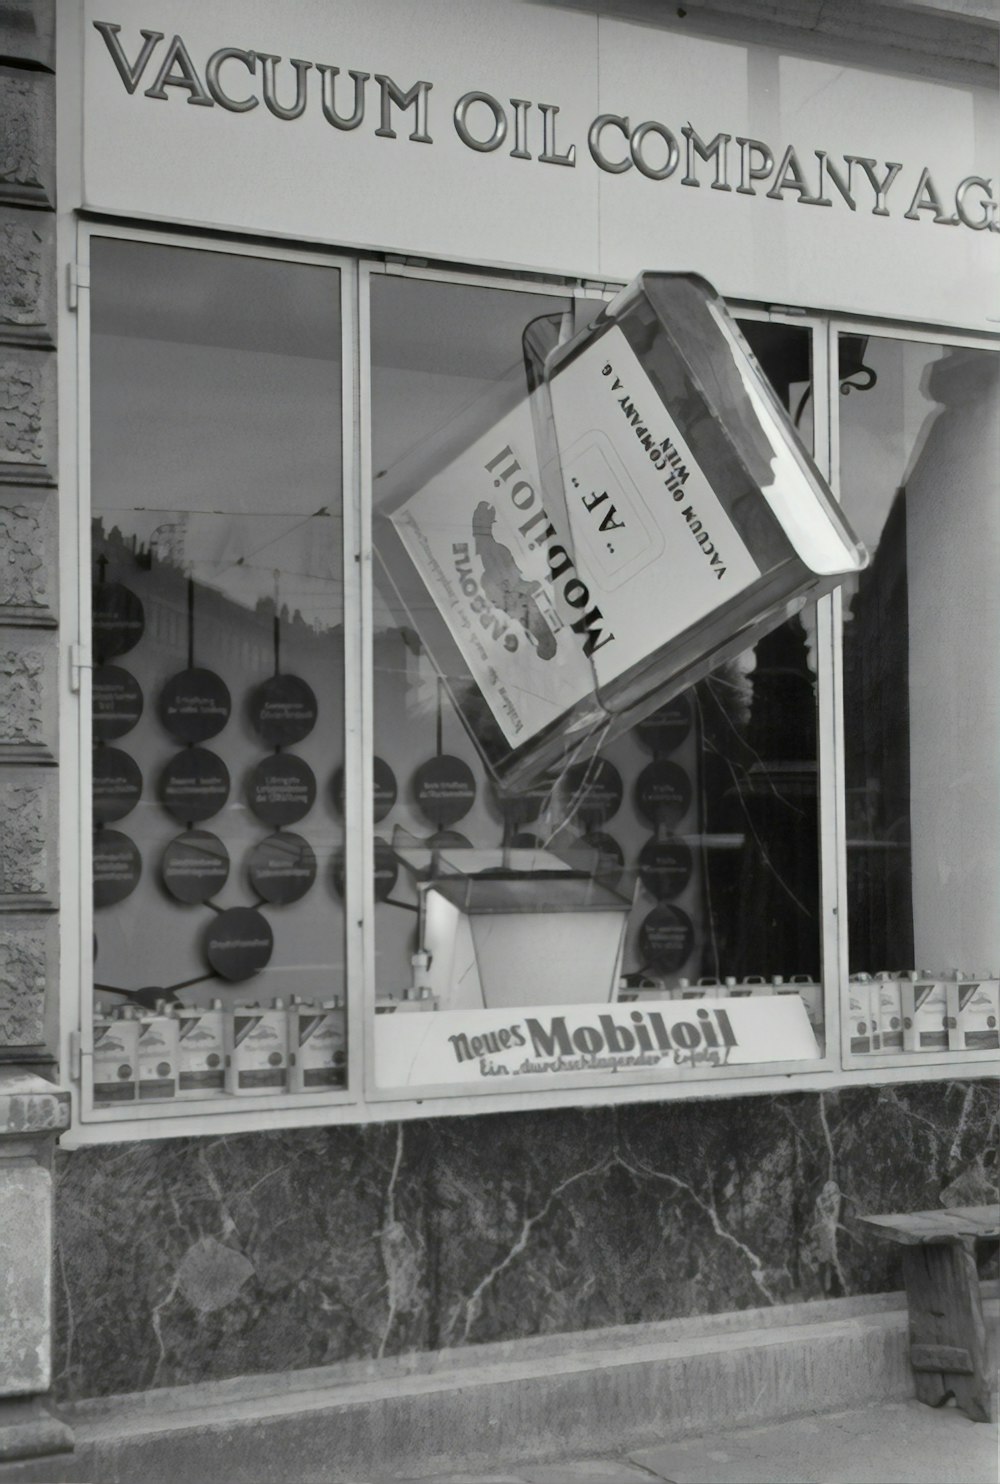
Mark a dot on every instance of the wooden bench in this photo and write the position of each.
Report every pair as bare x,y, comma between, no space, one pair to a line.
948,1348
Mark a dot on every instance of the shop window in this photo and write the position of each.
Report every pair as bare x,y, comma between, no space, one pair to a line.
679,861
921,677
217,690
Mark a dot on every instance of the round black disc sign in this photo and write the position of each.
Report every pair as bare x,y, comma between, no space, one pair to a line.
116,702
668,727
383,789
448,840
528,803
195,866
117,784
194,705
282,868
118,620
194,785
283,710
663,793
282,789
445,790
665,868
666,939
117,867
239,943
593,791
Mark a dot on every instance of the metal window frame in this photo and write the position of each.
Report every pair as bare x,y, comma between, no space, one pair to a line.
362,1101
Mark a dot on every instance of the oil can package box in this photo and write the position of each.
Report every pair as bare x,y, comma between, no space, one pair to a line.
889,1011
158,1042
577,557
925,1009
973,1012
201,1051
116,1059
857,1014
257,1049
317,1046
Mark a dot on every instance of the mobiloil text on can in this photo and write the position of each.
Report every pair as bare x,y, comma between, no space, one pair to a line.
257,1049
973,1012
157,1054
889,1010
116,1057
925,1008
857,1013
201,1051
317,1045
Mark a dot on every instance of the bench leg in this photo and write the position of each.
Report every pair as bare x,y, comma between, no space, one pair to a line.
948,1348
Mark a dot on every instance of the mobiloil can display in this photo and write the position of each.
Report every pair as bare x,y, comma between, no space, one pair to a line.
257,1048
317,1051
888,1011
116,1057
925,1008
973,1018
857,1013
417,997
157,1053
811,994
750,987
201,1051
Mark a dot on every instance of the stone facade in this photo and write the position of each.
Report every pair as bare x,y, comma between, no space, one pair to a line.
196,1259
32,1111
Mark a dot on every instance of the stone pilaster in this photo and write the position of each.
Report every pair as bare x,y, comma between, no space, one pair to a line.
33,1110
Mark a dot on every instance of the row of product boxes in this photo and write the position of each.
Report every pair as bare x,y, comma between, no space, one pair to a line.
921,1010
188,1052
809,991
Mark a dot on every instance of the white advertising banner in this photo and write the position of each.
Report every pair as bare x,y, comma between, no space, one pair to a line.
542,615
671,1039
543,137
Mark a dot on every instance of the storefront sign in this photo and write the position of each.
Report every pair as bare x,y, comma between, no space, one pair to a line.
194,705
544,137
673,1040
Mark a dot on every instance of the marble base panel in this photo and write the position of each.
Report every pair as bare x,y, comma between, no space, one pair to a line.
180,1261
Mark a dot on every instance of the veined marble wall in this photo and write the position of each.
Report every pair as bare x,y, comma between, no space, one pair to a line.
181,1261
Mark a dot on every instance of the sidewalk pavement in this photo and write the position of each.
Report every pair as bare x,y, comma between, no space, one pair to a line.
893,1443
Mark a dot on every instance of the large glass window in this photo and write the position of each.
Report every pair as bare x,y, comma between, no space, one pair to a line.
919,448
678,861
216,573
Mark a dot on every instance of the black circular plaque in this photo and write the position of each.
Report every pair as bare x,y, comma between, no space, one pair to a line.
282,868
610,856
383,877
445,789
118,620
283,710
239,943
383,789
663,793
666,939
194,705
117,784
116,702
524,840
194,785
117,867
668,727
665,868
593,791
282,789
195,866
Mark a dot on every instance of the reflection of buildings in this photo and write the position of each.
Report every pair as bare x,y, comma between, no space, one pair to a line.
761,785
877,757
